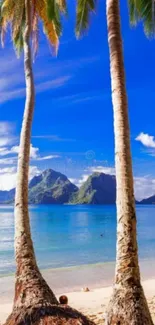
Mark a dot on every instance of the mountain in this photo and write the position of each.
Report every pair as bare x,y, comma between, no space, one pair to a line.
149,200
99,188
7,196
51,187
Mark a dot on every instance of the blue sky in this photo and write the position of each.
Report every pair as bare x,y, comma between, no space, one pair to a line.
73,120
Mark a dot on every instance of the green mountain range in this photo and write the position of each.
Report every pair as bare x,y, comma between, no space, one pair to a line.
98,189
52,187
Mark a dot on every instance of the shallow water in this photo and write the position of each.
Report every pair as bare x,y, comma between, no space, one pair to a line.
71,235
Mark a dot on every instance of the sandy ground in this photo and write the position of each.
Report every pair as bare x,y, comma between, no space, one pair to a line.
92,303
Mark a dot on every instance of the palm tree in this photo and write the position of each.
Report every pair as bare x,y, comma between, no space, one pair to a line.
128,305
34,301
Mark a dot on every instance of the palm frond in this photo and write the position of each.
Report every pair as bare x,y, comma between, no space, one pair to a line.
53,14
83,11
18,42
143,10
17,17
18,36
3,30
49,26
48,11
7,8
62,6
35,34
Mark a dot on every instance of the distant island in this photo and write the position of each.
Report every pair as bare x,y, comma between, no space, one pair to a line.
52,187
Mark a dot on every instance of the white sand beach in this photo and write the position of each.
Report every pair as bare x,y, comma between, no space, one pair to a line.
92,303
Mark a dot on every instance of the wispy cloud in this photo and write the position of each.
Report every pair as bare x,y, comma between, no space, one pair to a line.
82,97
66,66
47,157
54,138
9,150
6,127
8,161
7,133
14,87
52,84
13,151
8,94
61,71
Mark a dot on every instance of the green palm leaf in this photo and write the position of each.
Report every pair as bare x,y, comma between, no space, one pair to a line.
53,14
143,10
48,11
84,8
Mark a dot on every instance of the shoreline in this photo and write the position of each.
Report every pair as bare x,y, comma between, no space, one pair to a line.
73,278
70,280
80,266
93,303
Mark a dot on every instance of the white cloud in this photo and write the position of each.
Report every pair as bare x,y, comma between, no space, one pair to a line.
5,128
146,139
79,181
47,157
8,176
14,87
33,171
6,141
89,171
144,187
8,161
54,138
101,169
51,84
19,92
33,151
34,155
4,151
6,133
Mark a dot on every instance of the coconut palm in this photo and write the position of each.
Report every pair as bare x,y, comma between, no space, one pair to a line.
128,305
34,301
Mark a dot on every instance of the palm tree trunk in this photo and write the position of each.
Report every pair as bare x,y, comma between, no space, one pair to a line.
27,274
128,304
34,301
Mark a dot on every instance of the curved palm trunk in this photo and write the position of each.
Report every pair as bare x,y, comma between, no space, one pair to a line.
30,287
34,301
28,277
128,305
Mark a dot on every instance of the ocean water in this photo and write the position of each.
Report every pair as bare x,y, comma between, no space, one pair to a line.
67,236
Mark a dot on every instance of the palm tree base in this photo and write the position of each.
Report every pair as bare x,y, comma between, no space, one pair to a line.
46,314
128,306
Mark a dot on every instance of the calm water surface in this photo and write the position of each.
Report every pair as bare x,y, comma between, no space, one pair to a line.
71,235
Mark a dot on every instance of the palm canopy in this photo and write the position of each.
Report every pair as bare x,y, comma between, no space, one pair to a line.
138,10
143,10
12,12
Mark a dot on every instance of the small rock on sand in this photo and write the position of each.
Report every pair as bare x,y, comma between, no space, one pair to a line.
85,289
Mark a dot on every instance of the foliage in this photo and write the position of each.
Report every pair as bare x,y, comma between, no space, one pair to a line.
84,8
139,10
12,13
143,10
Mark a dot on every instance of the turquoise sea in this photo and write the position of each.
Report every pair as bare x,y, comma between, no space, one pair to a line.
73,235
